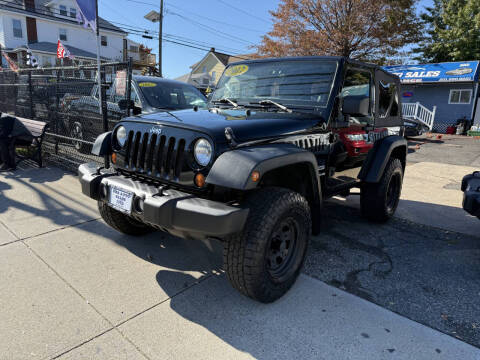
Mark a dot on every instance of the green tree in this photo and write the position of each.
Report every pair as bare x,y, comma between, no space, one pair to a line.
452,31
371,30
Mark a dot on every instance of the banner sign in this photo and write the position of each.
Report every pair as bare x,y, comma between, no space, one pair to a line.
121,83
87,13
466,71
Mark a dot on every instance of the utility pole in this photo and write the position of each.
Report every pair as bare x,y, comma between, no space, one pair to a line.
160,35
155,16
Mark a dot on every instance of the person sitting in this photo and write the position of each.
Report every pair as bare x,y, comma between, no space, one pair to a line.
7,148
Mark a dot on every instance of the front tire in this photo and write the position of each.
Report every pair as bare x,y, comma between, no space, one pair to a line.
265,259
379,201
121,222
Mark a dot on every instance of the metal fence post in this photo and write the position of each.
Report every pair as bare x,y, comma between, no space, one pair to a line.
57,105
30,94
103,98
129,84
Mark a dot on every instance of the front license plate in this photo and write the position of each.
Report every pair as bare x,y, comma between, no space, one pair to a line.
120,199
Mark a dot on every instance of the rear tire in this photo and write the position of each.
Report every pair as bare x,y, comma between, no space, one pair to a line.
265,259
379,201
121,222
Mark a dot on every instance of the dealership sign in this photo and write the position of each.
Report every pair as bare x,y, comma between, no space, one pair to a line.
441,72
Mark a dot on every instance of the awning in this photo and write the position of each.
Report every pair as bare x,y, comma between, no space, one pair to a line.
466,71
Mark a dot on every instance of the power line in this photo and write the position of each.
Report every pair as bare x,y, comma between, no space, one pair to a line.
212,30
205,27
145,31
154,34
244,12
216,20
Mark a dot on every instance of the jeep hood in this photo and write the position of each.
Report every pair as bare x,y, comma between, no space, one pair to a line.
258,125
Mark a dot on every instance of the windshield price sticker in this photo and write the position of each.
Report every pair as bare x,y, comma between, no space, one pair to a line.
147,84
236,70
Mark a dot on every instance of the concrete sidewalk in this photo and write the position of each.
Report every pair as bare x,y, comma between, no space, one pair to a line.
72,288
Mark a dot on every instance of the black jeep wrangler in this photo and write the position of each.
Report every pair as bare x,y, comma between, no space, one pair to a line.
253,169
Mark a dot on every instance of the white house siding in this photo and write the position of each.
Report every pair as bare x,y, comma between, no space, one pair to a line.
9,40
48,31
81,38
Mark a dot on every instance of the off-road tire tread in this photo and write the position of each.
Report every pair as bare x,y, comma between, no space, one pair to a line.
373,196
243,251
121,222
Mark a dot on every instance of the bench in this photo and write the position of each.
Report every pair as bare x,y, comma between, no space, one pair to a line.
37,130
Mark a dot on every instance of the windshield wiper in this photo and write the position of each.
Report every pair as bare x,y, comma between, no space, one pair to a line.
271,102
226,101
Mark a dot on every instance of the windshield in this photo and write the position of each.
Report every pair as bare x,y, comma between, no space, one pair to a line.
303,83
171,96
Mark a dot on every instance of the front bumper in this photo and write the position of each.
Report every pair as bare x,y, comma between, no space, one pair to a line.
471,193
170,210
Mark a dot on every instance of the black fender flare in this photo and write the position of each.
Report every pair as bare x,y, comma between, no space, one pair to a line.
103,144
377,159
233,169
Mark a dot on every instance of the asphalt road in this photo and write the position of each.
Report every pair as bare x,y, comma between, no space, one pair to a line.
448,149
426,274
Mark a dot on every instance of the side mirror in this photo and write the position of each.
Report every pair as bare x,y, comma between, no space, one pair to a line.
124,104
136,110
356,105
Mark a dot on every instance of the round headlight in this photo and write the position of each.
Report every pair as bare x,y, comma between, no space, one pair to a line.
203,152
121,135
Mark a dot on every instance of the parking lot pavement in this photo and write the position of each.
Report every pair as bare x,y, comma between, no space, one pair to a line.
426,274
448,149
431,196
76,289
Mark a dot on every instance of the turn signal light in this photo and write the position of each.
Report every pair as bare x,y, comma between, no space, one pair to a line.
114,158
255,176
200,180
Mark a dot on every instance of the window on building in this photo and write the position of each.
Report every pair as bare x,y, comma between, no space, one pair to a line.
204,69
63,10
17,28
73,12
214,76
62,34
460,96
104,40
133,48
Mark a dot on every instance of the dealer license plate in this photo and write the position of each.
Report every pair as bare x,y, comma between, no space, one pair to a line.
120,199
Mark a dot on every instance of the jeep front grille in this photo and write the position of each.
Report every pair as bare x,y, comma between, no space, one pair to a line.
155,155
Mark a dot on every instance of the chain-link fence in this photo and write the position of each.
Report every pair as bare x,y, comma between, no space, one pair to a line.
67,98
440,127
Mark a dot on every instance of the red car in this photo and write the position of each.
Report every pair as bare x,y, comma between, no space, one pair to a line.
358,142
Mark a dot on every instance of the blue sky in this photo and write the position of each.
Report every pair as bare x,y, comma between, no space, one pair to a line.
230,26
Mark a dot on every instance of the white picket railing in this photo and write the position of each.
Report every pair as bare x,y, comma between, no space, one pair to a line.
418,112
